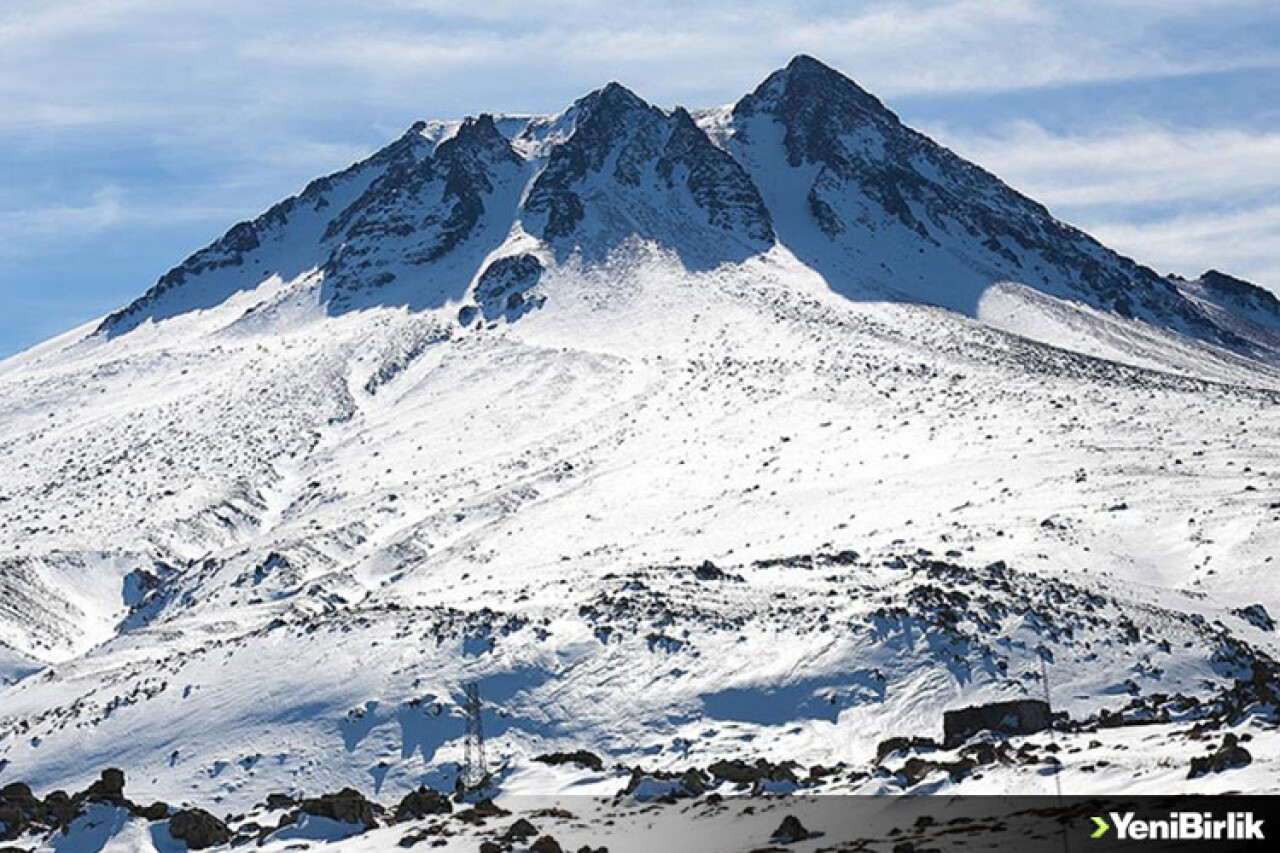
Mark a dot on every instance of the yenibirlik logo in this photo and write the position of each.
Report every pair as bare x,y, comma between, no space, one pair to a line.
1182,826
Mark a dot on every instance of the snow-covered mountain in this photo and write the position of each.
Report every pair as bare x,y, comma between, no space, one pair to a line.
769,431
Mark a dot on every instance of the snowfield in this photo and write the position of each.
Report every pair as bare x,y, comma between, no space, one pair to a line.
689,440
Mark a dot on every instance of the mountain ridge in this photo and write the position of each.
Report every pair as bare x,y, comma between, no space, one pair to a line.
903,187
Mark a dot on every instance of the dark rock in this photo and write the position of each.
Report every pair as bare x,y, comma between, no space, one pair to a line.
108,789
521,830
917,769
480,812
490,847
790,831
741,773
1016,717
280,801
902,744
1227,756
1257,616
421,803
503,288
60,808
346,806
153,812
693,782
546,844
581,757
19,811
198,829
708,571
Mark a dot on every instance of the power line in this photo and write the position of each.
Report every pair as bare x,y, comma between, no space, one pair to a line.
1053,739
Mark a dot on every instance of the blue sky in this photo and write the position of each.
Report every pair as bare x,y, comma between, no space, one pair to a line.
132,132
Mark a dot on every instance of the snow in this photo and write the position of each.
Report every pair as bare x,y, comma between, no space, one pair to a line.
258,544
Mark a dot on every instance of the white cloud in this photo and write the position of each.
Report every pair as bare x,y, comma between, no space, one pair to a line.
31,230
1178,200
1241,243
1133,165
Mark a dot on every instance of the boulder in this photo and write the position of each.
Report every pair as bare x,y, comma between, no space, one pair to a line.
280,801
153,812
108,789
790,831
902,744
521,830
1257,616
346,806
546,844
198,829
1230,755
421,803
580,757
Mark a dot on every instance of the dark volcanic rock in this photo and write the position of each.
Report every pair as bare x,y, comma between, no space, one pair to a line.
902,744
153,812
346,806
108,789
546,844
1230,755
742,773
580,757
503,288
19,810
280,801
521,830
1257,616
421,803
790,831
198,829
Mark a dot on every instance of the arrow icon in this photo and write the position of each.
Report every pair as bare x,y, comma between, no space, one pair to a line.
1102,827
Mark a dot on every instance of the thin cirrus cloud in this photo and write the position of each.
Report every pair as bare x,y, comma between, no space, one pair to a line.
1181,200
1240,242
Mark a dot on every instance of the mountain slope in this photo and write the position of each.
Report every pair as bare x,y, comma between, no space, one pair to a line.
648,423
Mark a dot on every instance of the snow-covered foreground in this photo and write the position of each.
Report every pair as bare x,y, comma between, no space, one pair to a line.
668,510
533,515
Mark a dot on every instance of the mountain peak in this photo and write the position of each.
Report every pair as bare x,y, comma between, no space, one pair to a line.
804,85
804,64
612,99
